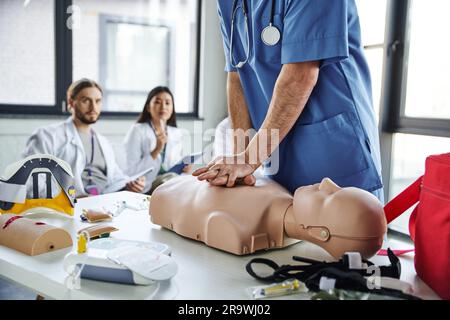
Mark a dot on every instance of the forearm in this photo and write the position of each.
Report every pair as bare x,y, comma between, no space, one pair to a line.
291,93
237,109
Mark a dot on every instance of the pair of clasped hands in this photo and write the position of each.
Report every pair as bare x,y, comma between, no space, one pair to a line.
228,171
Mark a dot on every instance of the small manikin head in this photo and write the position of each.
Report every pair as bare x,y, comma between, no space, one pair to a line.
340,219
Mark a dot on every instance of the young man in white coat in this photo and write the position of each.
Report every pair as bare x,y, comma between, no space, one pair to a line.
89,154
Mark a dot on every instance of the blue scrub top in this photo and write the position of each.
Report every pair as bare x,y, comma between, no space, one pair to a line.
336,135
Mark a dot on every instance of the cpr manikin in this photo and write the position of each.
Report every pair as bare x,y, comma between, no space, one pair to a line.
244,219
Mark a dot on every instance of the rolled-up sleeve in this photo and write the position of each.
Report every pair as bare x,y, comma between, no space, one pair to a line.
315,30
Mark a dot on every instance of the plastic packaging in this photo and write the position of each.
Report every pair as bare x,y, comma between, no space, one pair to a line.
288,287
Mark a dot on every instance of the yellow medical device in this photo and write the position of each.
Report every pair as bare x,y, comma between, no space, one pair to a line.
13,187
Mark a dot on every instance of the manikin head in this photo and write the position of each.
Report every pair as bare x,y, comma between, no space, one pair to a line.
339,219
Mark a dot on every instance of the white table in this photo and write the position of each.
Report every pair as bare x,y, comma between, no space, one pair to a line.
204,273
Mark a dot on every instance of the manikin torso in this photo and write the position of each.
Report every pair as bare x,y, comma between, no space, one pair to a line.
244,219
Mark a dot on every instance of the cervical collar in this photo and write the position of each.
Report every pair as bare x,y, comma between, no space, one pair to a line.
13,188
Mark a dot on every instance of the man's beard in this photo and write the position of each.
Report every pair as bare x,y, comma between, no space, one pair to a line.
80,116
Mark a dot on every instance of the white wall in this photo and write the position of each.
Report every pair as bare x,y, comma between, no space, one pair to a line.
14,131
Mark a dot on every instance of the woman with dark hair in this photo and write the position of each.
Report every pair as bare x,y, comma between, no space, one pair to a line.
155,141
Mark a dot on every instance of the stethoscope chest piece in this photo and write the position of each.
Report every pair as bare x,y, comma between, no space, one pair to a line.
270,35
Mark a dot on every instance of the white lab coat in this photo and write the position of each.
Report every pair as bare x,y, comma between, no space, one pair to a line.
140,141
62,141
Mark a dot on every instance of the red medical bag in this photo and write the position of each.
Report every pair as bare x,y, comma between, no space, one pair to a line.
429,224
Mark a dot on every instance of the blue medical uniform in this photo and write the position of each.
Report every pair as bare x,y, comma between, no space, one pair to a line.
336,135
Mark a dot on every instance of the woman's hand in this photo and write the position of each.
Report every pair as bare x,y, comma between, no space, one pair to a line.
161,140
187,168
137,185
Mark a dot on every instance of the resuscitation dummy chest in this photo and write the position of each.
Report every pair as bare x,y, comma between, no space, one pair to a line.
247,219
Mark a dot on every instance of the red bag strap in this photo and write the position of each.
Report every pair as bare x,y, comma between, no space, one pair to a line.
405,200
384,252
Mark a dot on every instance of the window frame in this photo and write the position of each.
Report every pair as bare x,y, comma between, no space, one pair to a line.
393,119
397,56
64,72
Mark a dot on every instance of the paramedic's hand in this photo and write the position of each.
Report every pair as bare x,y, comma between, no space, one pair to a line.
136,185
187,169
161,140
228,171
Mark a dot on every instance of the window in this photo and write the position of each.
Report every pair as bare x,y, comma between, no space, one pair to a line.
127,70
428,75
129,47
27,54
417,92
372,16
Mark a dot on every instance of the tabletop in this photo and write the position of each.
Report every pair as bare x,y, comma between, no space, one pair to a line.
203,273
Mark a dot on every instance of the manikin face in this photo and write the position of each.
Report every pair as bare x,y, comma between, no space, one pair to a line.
161,107
87,105
341,219
345,211
312,198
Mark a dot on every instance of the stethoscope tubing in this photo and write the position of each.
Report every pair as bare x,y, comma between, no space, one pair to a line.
234,10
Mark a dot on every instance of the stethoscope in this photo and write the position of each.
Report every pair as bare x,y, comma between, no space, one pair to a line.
89,170
270,35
